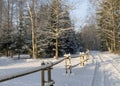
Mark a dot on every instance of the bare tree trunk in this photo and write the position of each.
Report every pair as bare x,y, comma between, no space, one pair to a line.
33,36
8,24
108,47
1,15
12,13
33,31
57,31
114,27
56,54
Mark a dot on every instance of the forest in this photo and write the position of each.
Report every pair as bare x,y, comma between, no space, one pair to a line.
44,29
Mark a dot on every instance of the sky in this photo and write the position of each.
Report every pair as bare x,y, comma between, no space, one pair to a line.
81,11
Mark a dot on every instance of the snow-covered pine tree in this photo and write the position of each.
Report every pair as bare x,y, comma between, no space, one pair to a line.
67,39
55,31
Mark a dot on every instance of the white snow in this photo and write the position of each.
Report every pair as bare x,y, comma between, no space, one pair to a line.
23,56
5,61
103,69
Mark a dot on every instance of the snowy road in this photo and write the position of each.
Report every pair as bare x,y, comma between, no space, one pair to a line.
103,69
108,69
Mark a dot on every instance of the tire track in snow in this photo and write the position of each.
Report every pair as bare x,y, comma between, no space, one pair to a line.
111,62
98,78
114,73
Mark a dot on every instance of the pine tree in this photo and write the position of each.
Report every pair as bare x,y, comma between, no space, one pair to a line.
53,35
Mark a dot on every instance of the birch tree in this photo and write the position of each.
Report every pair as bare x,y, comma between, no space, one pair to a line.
32,19
109,23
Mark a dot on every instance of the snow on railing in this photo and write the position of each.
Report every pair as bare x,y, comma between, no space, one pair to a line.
46,67
84,57
68,65
23,73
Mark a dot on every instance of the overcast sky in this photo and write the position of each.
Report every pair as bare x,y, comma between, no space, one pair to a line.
81,12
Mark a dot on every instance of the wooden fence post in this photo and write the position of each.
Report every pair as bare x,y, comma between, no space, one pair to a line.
70,66
42,75
49,76
81,59
87,55
68,63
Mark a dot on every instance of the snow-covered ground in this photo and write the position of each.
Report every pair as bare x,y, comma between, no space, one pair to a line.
103,69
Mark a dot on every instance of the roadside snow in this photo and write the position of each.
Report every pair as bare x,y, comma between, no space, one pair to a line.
23,56
101,70
5,61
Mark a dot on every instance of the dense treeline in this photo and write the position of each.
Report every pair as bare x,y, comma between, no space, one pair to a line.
104,32
108,17
43,28
36,27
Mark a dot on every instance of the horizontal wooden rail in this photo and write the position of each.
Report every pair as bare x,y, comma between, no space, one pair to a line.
33,70
78,64
30,71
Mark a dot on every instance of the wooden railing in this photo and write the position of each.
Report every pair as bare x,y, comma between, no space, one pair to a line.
47,67
69,66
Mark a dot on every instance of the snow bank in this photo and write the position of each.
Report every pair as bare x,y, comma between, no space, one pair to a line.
23,56
95,73
5,61
8,60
